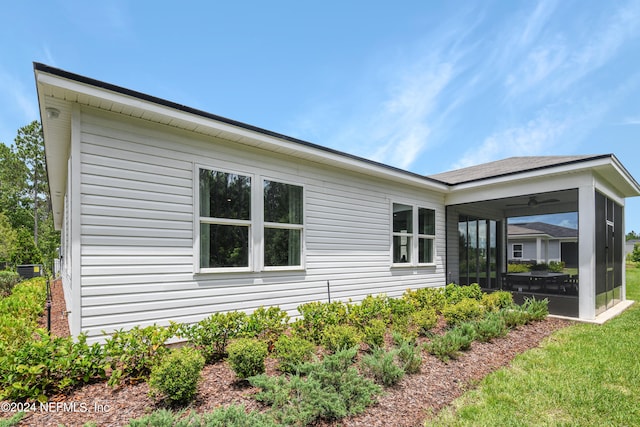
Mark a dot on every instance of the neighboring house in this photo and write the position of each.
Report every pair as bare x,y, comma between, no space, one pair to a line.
630,245
542,243
168,213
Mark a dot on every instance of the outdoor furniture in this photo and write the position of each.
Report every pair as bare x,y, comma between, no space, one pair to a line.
537,281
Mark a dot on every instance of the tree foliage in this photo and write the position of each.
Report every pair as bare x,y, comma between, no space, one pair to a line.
26,220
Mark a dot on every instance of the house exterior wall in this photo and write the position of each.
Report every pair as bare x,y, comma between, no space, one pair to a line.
136,236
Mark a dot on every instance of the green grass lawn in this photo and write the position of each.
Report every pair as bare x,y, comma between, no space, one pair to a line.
585,375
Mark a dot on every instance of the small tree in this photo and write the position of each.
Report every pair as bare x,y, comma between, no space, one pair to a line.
635,255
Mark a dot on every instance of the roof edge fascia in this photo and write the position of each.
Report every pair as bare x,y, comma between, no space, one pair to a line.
569,166
48,75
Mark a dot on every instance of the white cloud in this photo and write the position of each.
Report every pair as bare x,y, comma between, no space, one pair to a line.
403,121
537,137
16,94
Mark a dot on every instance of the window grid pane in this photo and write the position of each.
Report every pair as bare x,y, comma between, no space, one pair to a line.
425,251
225,195
402,245
224,246
426,221
402,218
282,203
282,247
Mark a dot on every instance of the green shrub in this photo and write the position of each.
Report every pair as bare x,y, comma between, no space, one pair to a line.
518,268
231,416
491,326
291,351
424,320
381,366
448,346
236,416
47,365
543,266
8,279
338,337
19,312
331,389
514,317
536,309
166,418
409,357
404,330
212,334
400,308
132,353
455,293
374,333
247,356
371,307
266,324
497,300
426,298
316,316
556,266
465,334
176,376
465,310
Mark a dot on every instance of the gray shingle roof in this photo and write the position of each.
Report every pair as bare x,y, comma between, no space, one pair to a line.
528,228
508,166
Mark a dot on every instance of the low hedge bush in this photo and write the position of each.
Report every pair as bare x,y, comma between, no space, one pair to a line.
464,310
497,300
338,337
132,353
455,293
317,316
247,356
266,324
211,335
291,351
46,365
177,374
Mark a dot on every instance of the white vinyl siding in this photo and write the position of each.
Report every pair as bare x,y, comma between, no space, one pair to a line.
138,240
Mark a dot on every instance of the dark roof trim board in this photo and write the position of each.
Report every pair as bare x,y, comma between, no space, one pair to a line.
180,107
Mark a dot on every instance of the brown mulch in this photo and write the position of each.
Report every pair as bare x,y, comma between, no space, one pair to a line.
409,403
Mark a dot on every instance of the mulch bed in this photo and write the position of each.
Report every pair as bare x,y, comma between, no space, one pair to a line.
409,403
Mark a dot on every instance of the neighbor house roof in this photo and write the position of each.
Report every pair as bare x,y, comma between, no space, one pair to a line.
540,228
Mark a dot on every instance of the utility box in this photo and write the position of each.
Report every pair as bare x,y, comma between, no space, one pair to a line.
28,271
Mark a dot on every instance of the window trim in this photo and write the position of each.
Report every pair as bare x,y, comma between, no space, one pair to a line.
415,236
198,219
284,226
256,225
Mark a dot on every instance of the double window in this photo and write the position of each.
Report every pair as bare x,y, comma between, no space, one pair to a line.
517,250
414,230
240,230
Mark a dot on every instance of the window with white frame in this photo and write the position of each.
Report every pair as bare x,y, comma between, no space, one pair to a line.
283,224
517,250
225,220
413,235
229,215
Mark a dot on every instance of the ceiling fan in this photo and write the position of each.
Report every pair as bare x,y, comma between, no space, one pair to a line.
533,202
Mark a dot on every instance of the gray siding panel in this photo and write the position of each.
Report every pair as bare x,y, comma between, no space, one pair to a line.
137,230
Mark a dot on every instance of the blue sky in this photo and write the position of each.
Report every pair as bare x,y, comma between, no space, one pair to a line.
423,85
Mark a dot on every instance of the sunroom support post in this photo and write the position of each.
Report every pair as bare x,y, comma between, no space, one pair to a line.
586,252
